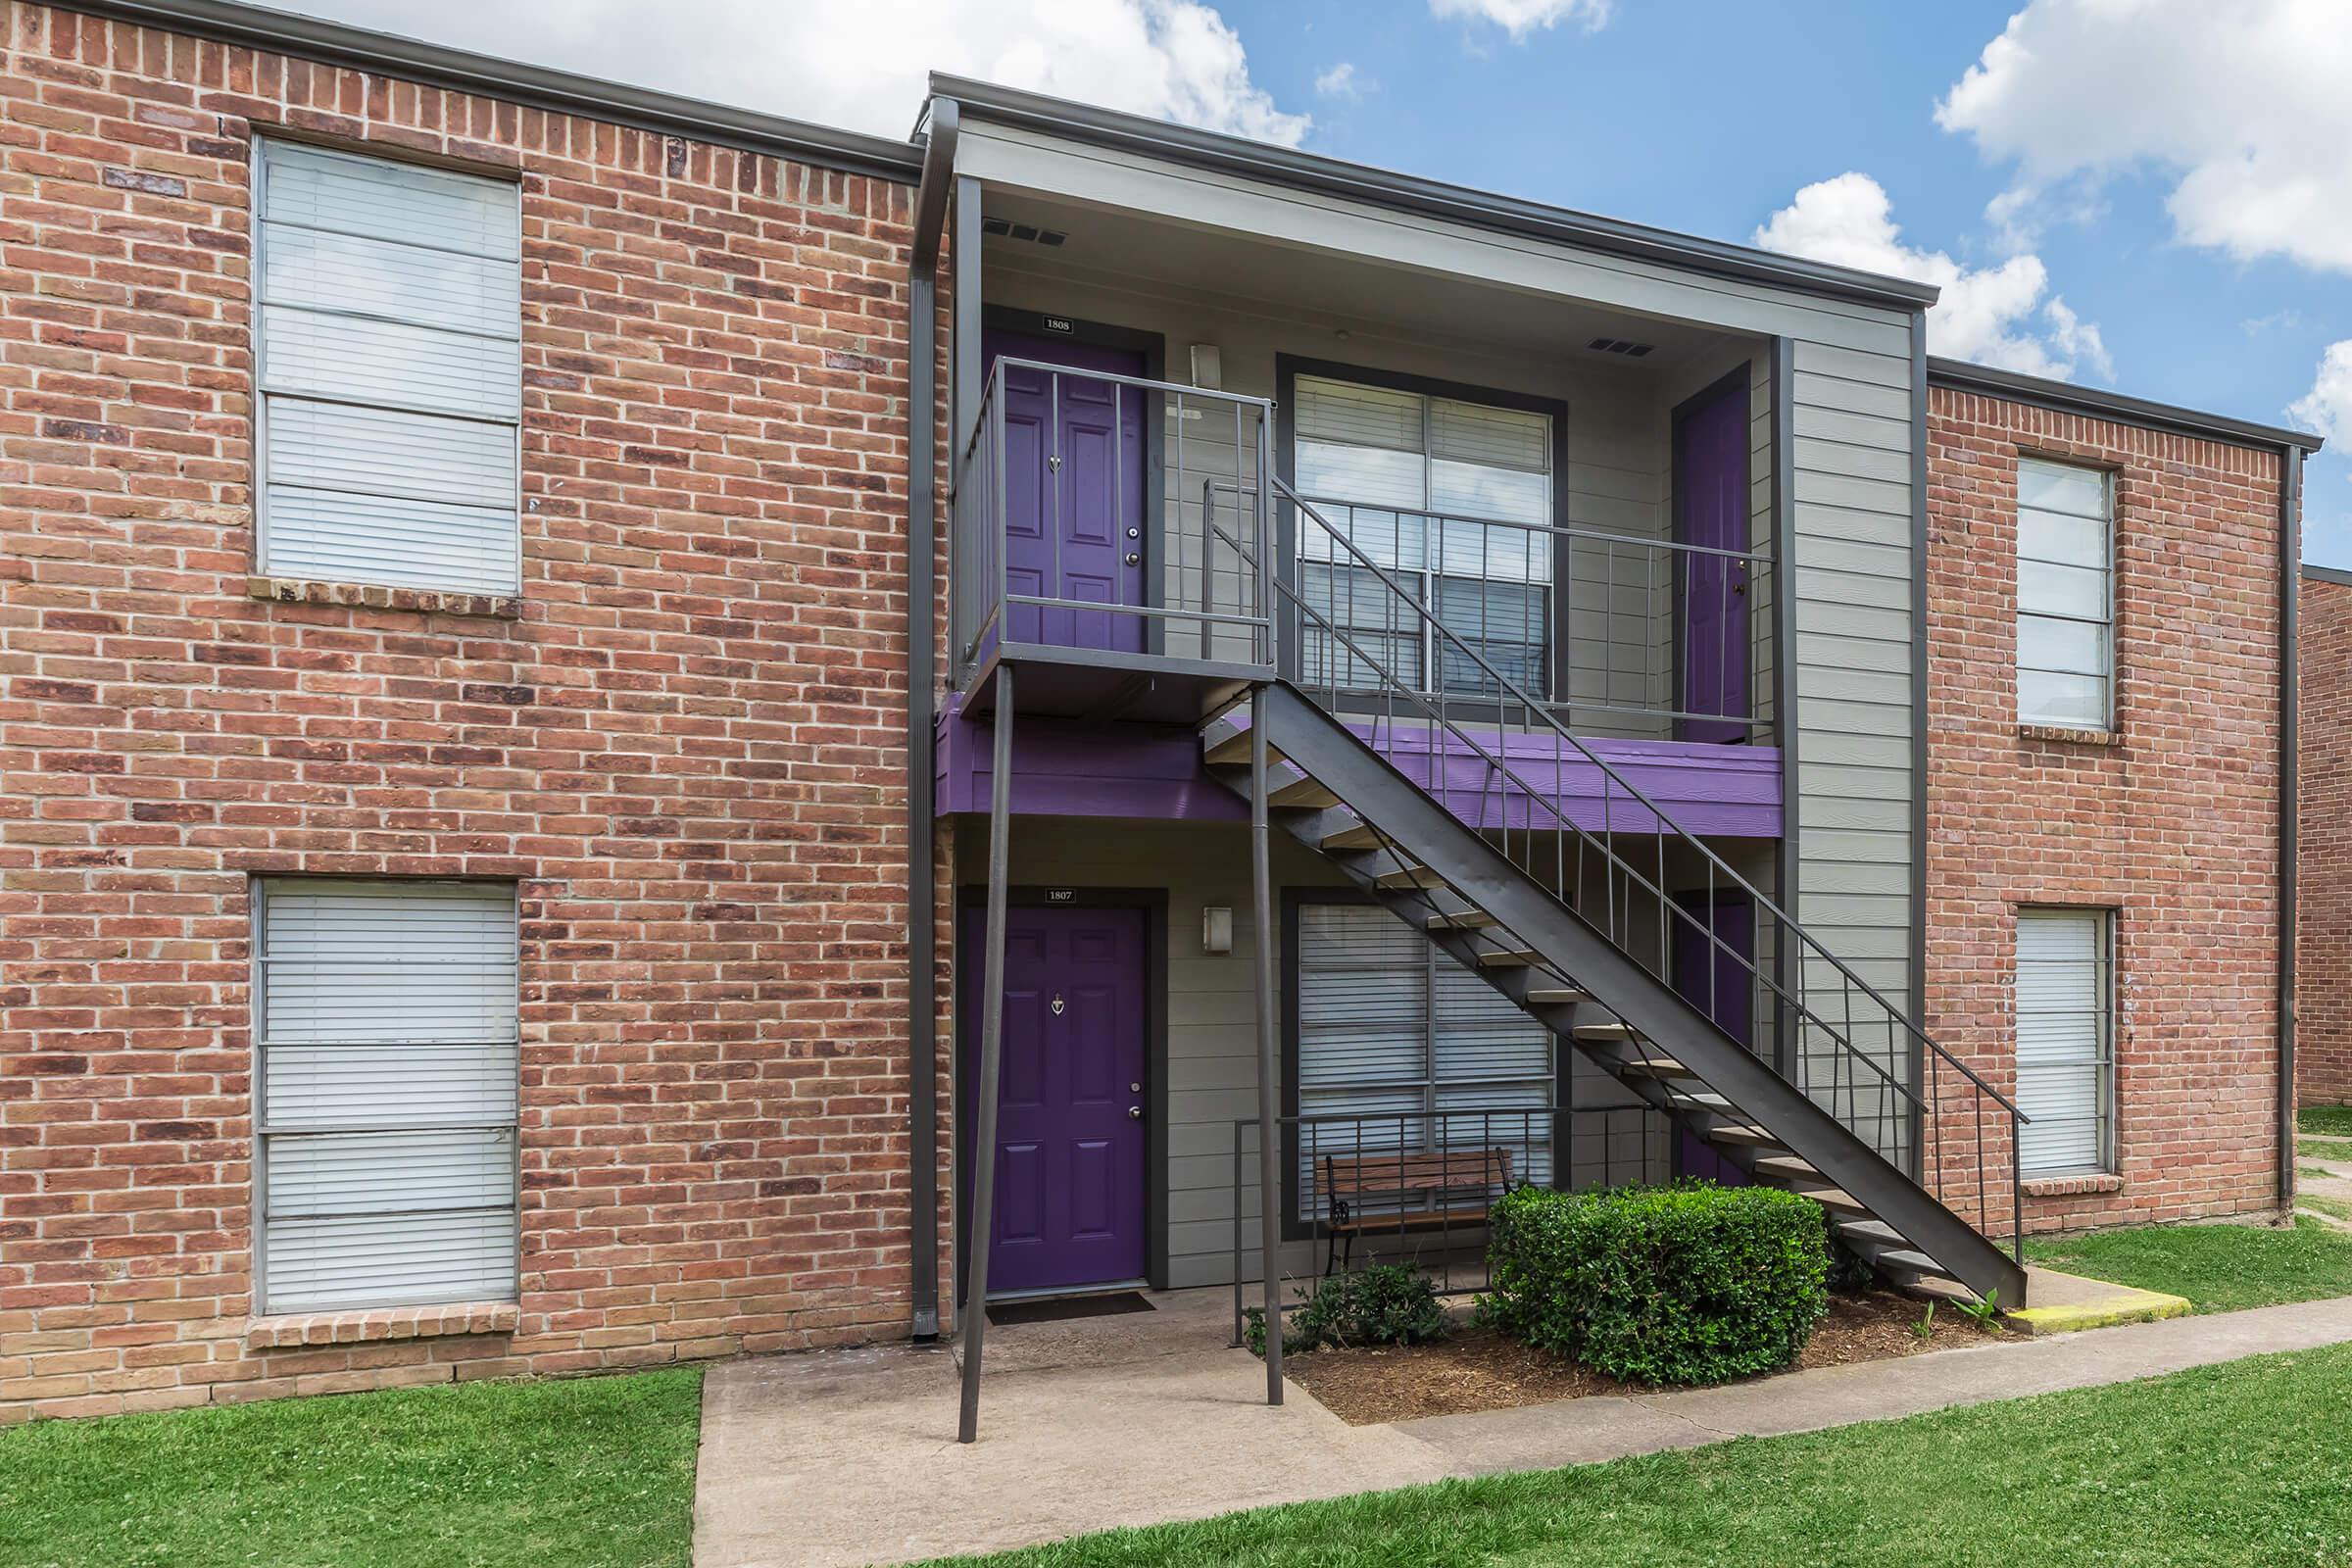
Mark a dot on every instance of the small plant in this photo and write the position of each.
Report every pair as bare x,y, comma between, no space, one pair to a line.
1925,1328
1986,1312
1387,1304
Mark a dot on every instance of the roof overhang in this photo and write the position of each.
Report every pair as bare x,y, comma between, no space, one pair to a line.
2065,397
336,43
1088,125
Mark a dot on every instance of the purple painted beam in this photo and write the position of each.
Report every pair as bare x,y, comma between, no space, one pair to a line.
1066,768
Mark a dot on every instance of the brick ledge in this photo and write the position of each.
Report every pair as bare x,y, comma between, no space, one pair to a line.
381,1323
2072,1185
377,595
2077,737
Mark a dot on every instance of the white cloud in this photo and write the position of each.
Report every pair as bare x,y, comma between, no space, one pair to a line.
2242,106
1342,82
2002,315
1519,18
862,64
2326,409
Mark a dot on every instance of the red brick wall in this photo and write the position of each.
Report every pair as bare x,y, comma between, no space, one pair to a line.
688,748
2175,826
2324,855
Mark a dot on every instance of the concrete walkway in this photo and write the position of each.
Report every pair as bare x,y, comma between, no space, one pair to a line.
849,1458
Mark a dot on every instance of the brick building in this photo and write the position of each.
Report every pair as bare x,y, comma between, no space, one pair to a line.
479,542
2324,877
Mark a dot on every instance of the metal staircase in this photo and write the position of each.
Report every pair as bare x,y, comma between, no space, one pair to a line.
1412,795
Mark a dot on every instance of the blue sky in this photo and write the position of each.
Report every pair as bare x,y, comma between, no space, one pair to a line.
2179,184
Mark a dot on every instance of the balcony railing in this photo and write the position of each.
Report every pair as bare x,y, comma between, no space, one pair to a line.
1117,514
1615,633
1084,518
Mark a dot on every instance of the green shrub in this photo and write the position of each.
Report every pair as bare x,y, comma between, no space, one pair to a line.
1387,1304
1691,1283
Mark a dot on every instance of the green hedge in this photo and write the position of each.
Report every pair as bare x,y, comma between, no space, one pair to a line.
1691,1283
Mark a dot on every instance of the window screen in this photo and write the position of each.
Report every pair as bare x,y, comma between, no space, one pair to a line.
1403,1048
389,340
386,1016
2065,621
2065,1066
1454,500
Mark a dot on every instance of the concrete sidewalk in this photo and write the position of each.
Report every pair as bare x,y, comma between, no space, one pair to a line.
846,1457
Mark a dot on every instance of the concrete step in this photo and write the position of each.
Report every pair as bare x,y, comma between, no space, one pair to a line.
1509,958
1656,1067
1461,920
1554,996
1303,792
1601,1034
1836,1199
1362,836
1411,876
1744,1136
1787,1168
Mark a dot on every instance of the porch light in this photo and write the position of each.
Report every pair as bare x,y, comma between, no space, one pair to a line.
1216,928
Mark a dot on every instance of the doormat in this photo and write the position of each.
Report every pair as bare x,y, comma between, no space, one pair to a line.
1061,1309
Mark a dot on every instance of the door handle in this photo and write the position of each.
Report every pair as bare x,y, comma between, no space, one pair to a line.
1134,1114
1133,558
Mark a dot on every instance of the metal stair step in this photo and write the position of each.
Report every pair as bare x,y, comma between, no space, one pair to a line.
1603,1033
1870,1230
1836,1199
1912,1264
1656,1067
1362,836
1555,996
1304,791
1235,747
1748,1137
1787,1167
1411,876
1509,958
1461,920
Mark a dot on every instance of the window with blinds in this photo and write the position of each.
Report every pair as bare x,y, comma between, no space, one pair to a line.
1452,498
389,348
2065,600
386,1018
1406,1050
2065,1056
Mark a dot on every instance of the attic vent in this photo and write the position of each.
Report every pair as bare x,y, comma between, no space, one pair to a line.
1618,344
1030,232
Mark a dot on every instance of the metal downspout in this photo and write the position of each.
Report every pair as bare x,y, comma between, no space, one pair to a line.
2290,554
922,533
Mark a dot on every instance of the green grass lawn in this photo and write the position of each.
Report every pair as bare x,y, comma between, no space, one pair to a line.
2335,1120
581,1473
2323,1148
2219,1268
2224,1465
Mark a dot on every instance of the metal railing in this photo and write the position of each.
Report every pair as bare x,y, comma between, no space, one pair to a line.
1054,546
1395,1187
1639,877
1647,638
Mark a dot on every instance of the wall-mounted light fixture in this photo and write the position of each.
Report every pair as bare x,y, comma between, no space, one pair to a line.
1216,928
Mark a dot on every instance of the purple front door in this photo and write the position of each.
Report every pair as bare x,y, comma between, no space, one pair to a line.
1075,520
1712,509
1719,985
1070,1192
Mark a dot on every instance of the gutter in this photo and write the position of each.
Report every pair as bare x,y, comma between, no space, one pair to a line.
923,533
2064,397
644,109
2290,567
1331,177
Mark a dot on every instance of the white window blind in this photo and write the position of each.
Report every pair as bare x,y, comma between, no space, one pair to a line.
386,1013
2065,1065
1453,499
2065,611
389,342
1410,1051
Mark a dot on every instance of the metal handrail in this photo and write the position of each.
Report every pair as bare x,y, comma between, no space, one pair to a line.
1536,713
979,499
1557,531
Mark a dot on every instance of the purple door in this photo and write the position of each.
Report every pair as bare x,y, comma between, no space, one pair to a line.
1712,509
1073,493
1719,985
1070,1193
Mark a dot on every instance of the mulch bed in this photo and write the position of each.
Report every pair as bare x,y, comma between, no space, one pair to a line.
1479,1369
